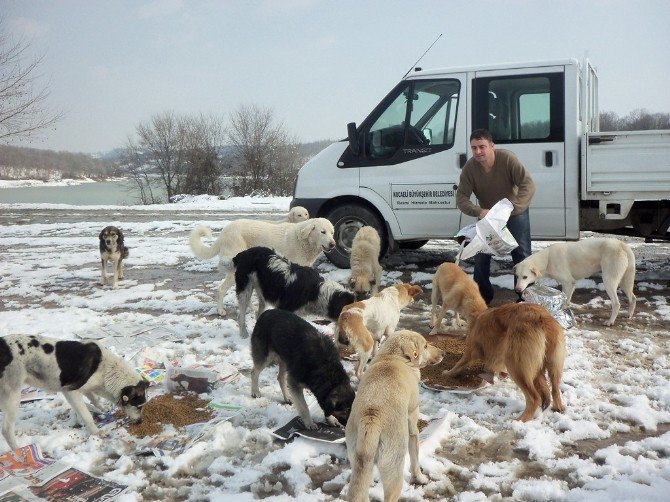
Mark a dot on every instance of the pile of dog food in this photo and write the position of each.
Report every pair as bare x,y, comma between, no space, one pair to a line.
453,348
177,410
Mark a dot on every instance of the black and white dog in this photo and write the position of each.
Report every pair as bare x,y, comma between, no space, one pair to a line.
112,250
306,358
284,285
72,367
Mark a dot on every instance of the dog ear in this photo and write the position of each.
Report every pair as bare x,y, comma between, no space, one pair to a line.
414,290
101,232
119,239
306,229
535,271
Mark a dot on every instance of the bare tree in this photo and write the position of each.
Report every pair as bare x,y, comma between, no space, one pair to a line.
175,154
23,108
136,165
160,149
267,156
204,166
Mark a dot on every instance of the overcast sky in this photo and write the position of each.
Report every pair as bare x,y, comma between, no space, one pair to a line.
318,64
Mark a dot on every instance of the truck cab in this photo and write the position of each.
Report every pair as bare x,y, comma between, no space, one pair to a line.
399,170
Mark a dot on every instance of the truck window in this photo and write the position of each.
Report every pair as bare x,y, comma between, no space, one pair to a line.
421,113
520,109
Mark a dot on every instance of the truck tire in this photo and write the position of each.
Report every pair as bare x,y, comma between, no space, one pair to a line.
347,220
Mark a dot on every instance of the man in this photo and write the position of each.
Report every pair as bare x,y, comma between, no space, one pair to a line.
493,175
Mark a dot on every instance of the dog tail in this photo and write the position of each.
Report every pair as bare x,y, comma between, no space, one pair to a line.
199,249
363,457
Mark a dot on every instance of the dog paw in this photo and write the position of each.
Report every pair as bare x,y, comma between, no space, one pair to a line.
311,425
333,421
222,312
256,394
560,408
608,323
419,479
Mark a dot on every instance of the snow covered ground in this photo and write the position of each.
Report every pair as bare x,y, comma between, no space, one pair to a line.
612,443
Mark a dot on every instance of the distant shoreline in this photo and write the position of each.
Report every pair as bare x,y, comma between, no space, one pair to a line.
51,183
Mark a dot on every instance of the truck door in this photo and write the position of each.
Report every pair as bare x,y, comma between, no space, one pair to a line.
525,114
414,142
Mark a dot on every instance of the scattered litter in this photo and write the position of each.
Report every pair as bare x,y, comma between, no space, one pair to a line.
296,427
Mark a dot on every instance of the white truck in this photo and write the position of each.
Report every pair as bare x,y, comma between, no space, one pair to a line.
399,170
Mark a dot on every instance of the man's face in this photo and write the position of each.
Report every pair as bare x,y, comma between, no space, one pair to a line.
482,151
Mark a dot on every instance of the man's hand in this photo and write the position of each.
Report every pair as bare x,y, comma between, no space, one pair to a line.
483,213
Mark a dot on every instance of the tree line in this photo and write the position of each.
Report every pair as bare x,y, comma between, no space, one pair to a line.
637,120
253,154
20,162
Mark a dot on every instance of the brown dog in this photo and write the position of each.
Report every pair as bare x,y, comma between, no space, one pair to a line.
525,339
365,323
454,289
383,425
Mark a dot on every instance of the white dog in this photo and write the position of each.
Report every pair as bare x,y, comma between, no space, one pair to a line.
568,262
366,272
297,214
365,323
75,368
300,242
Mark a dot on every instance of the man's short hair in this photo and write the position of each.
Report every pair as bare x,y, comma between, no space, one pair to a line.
481,134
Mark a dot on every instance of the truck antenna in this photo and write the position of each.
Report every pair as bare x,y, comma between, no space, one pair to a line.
422,55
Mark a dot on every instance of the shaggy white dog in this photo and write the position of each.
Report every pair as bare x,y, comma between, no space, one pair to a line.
297,214
300,242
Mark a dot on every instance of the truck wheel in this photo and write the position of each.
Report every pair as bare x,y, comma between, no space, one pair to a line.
347,220
412,244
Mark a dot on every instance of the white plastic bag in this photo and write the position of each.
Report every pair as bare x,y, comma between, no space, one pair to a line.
492,236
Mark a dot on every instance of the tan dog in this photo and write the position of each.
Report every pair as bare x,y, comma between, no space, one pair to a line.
382,425
454,290
365,323
366,272
297,214
525,339
569,261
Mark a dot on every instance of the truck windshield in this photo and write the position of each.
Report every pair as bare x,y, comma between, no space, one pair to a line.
423,112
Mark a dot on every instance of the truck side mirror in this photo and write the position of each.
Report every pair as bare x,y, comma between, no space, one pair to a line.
354,146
